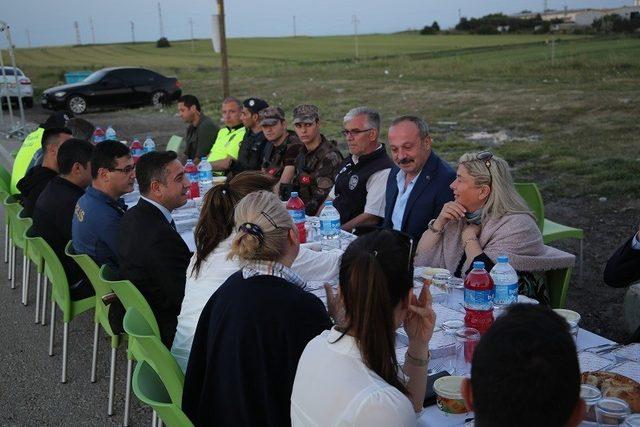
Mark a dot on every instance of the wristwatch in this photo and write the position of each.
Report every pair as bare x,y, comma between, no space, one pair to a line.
432,228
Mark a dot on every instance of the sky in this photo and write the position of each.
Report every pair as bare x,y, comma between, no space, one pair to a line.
52,22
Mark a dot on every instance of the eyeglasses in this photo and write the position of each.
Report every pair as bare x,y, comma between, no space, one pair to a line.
486,156
126,170
354,132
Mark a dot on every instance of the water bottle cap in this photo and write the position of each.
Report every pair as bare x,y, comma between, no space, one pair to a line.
328,202
478,265
203,158
294,194
503,258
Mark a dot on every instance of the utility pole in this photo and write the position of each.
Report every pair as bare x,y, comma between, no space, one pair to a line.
191,25
93,31
355,22
459,14
160,19
223,50
294,26
29,39
78,40
133,32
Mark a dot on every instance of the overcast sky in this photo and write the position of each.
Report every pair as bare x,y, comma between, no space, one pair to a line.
51,22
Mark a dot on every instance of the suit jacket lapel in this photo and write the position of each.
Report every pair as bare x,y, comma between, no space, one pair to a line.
421,184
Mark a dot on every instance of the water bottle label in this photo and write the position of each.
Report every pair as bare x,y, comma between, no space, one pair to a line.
205,175
478,300
136,152
297,215
329,227
506,294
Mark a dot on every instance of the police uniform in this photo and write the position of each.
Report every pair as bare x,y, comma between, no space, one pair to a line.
251,152
351,188
285,154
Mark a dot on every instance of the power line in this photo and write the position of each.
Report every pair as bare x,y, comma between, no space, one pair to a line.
223,50
93,31
133,32
28,38
355,21
160,19
77,27
191,25
294,26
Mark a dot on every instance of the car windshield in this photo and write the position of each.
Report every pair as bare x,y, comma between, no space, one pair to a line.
9,71
95,77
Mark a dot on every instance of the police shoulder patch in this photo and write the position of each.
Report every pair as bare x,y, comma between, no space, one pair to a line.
353,182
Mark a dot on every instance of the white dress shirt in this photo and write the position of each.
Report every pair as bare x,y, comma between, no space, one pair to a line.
333,387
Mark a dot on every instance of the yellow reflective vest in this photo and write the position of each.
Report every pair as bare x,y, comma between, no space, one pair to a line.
31,144
227,143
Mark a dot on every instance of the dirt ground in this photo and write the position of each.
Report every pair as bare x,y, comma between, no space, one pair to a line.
606,223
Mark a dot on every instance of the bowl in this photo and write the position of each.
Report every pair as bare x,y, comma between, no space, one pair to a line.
449,395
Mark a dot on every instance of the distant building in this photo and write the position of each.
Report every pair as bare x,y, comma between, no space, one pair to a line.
583,17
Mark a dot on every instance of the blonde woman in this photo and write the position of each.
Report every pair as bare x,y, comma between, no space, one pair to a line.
254,328
487,219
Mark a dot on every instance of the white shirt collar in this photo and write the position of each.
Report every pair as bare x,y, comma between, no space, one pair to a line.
343,343
355,158
166,212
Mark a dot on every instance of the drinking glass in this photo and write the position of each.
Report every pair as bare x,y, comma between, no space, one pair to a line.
466,341
455,292
611,411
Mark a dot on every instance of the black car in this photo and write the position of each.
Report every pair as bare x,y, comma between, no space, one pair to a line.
118,86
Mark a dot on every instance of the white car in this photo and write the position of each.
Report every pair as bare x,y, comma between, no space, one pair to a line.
8,86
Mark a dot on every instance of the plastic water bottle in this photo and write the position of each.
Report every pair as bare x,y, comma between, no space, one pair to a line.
205,176
110,134
149,145
98,135
505,282
478,298
295,206
136,150
329,227
192,173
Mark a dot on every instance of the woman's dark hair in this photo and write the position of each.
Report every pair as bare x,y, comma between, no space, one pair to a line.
216,217
376,274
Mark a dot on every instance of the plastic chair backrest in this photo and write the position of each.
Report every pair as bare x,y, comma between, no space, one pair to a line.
174,143
150,349
129,296
90,269
558,285
148,387
32,251
18,224
5,179
530,193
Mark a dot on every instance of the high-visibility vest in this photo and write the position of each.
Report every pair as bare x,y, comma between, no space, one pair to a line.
227,143
31,144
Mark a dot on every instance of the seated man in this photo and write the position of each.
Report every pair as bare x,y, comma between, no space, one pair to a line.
38,177
525,372
201,133
252,146
98,212
53,212
151,253
225,148
317,163
623,268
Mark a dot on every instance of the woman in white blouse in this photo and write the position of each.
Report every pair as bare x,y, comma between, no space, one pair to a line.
349,376
209,267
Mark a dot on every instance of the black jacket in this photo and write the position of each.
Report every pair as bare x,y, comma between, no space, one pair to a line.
623,268
52,218
31,185
245,352
153,256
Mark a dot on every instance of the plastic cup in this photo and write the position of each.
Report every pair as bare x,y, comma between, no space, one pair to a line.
632,420
611,411
591,395
572,318
455,292
449,395
466,341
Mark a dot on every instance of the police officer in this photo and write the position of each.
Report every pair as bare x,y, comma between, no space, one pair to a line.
283,145
252,145
317,163
227,144
359,191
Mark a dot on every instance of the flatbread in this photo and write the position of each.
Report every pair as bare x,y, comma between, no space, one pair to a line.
615,385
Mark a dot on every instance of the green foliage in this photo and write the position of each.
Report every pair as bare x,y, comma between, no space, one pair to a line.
616,24
163,42
489,24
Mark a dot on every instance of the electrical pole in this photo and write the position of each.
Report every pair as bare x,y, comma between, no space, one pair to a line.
294,26
133,32
78,40
160,19
223,50
93,31
459,14
191,25
29,39
355,22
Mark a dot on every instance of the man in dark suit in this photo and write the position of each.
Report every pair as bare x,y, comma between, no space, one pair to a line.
418,186
623,268
151,253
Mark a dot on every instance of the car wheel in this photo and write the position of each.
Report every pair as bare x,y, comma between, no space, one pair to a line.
158,98
28,102
76,104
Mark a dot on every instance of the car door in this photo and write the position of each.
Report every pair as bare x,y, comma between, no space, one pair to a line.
110,90
144,82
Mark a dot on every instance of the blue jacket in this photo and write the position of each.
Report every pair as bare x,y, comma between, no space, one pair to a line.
94,229
430,192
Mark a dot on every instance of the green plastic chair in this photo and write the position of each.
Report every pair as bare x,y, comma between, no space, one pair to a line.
174,144
33,257
17,227
558,285
3,196
60,296
101,316
551,231
149,388
5,179
130,297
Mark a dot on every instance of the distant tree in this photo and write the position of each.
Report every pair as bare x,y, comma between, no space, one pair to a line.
433,29
616,24
435,26
525,11
163,42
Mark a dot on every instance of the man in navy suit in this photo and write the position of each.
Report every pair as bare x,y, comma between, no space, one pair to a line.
623,268
418,186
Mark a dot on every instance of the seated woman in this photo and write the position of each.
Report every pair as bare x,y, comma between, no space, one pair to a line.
349,376
254,328
488,219
209,266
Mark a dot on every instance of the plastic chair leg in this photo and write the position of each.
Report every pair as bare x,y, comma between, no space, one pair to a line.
581,261
44,300
65,337
154,419
13,267
160,423
112,380
38,278
94,355
52,327
10,252
26,272
6,243
127,394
